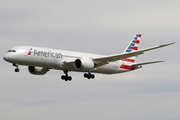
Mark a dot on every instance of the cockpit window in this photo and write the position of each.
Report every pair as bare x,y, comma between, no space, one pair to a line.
11,51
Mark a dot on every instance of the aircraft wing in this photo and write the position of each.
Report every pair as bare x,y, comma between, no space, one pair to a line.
106,60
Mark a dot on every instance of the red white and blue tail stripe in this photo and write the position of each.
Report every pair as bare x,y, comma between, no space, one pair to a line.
133,46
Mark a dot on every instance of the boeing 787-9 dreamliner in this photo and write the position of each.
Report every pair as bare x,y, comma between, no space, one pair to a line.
40,60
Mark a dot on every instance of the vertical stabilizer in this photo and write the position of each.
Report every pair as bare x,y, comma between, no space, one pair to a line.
133,46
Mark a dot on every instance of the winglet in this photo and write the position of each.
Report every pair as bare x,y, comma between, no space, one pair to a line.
159,46
167,44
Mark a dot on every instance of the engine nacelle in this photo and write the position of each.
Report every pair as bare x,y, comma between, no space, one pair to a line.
84,64
37,70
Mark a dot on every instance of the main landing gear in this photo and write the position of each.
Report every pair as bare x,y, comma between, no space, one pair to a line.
89,75
16,65
66,77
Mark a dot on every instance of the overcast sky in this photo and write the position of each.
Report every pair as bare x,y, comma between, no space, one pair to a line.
103,27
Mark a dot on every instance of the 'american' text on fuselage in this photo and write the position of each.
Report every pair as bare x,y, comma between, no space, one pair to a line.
47,54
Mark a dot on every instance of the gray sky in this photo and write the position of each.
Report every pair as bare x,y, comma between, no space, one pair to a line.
102,27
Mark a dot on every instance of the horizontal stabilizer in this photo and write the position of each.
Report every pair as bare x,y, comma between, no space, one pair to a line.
146,63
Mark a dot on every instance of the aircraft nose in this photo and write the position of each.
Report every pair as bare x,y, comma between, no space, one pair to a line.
5,57
11,57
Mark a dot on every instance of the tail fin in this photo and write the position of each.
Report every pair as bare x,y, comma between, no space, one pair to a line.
133,46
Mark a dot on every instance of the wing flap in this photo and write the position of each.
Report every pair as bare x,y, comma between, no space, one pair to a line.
69,62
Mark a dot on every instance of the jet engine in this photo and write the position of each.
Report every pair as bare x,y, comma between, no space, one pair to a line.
37,70
84,64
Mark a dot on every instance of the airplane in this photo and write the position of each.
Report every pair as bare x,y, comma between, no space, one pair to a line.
40,60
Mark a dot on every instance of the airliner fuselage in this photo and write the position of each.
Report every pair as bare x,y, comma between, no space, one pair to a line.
56,59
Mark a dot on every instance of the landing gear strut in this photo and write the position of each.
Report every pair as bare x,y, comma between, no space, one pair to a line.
89,75
16,65
66,77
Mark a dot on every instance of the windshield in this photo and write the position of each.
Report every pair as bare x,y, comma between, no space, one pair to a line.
11,51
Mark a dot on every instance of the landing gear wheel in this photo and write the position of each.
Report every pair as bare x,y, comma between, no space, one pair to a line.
66,79
85,75
17,70
92,76
62,77
69,78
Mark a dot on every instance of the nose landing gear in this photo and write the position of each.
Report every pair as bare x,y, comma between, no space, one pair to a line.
16,65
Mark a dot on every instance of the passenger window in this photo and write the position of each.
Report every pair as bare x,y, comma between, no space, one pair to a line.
9,50
13,51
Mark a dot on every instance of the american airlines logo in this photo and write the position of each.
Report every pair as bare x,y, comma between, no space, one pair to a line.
45,54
